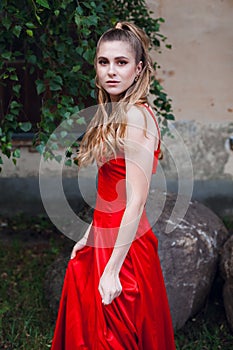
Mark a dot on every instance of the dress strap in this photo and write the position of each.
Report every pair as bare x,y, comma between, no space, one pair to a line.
157,151
156,123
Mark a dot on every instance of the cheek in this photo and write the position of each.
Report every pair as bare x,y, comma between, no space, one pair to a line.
130,75
131,72
99,74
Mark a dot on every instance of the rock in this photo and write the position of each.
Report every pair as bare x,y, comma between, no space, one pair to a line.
54,281
188,254
226,268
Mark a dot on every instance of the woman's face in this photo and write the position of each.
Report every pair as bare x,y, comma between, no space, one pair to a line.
116,68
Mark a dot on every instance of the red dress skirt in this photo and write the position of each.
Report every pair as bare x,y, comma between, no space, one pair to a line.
137,319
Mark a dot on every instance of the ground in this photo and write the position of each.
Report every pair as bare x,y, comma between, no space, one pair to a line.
28,247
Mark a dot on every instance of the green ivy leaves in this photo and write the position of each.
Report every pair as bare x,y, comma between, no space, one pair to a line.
43,3
55,41
26,126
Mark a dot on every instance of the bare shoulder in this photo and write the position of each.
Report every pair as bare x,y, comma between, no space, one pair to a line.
139,117
135,115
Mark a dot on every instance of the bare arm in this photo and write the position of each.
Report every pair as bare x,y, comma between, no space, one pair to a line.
139,156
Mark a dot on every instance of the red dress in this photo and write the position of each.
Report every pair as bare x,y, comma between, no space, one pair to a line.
140,317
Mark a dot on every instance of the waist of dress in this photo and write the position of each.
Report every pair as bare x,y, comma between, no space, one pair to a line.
113,219
112,207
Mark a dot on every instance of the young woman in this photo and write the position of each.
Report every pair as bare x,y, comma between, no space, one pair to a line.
114,295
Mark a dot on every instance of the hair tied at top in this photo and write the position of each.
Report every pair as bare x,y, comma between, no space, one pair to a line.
138,32
128,27
123,26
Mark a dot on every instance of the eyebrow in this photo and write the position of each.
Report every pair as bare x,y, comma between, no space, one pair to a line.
116,58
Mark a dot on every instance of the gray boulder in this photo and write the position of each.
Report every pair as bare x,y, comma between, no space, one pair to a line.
226,268
189,257
189,254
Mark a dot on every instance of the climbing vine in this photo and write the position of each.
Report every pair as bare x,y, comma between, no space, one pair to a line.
54,42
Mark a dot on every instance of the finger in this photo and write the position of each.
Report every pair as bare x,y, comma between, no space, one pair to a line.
73,254
106,302
74,251
108,298
114,295
101,291
118,293
118,289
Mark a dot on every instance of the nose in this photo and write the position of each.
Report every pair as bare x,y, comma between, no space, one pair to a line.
111,69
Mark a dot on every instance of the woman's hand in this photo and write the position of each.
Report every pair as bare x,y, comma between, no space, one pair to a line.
78,246
81,243
109,287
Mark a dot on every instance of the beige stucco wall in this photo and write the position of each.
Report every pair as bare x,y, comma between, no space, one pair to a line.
198,72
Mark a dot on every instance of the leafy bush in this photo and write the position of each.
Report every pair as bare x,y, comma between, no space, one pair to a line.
54,42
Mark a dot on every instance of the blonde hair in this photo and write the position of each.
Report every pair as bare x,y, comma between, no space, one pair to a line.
105,133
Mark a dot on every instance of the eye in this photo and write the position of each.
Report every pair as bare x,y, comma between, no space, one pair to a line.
102,62
122,62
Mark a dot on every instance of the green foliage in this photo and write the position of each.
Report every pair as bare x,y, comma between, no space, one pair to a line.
228,221
55,41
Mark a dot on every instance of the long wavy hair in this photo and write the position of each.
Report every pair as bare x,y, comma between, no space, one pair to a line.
105,133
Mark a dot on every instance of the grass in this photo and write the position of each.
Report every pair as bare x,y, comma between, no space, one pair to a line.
27,247
209,329
25,319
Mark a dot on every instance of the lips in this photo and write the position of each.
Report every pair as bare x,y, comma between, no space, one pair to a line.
112,82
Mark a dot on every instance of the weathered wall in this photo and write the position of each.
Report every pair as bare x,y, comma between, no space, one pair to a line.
198,72
201,153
